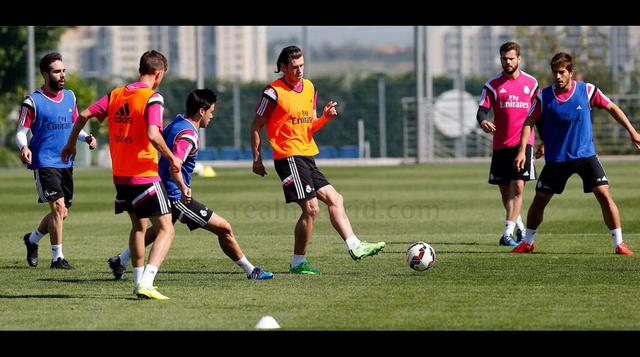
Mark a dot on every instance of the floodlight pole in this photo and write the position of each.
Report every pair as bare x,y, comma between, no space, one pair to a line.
462,152
429,96
382,115
31,59
236,113
200,78
420,117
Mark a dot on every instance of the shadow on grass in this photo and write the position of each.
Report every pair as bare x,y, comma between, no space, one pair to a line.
17,267
76,281
59,296
220,273
37,296
438,243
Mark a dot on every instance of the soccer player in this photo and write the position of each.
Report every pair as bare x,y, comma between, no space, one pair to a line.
49,113
134,116
288,109
509,94
565,111
182,138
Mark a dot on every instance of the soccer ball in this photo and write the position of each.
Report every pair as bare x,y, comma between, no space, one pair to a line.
420,256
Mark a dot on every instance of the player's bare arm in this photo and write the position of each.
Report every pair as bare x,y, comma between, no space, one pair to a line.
69,150
328,113
621,118
256,127
184,189
91,141
330,110
156,139
524,138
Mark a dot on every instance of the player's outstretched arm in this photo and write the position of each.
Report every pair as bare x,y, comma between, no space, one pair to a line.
69,150
256,127
91,141
621,118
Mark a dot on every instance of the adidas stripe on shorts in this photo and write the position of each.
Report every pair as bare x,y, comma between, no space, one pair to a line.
195,215
300,177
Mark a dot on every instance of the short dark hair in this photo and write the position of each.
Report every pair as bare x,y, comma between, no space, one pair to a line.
508,46
562,59
288,53
200,99
152,61
47,60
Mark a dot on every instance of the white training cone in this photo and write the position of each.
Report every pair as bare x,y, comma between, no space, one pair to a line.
267,323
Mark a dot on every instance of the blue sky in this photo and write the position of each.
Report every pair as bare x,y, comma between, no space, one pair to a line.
338,35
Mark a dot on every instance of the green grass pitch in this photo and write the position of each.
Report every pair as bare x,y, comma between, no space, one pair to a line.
572,281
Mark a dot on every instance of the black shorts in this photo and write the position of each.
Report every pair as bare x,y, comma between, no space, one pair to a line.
554,175
195,215
52,184
300,177
145,200
502,171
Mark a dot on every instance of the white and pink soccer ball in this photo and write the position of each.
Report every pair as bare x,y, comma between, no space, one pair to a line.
421,256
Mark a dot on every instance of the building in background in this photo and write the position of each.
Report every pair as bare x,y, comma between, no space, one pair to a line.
241,53
114,51
118,50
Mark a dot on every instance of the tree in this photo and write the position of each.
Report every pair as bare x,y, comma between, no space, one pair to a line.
13,71
13,53
538,45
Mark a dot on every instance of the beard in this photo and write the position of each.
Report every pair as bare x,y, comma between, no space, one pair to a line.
511,71
56,86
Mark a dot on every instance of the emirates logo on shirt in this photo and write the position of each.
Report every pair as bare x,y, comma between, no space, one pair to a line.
304,118
61,124
514,102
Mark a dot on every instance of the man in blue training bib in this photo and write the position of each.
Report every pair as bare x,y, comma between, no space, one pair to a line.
49,113
565,110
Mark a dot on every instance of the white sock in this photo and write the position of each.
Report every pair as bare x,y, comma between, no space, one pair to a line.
509,226
616,236
56,252
352,242
125,256
149,274
245,265
35,236
530,235
297,260
520,223
137,275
